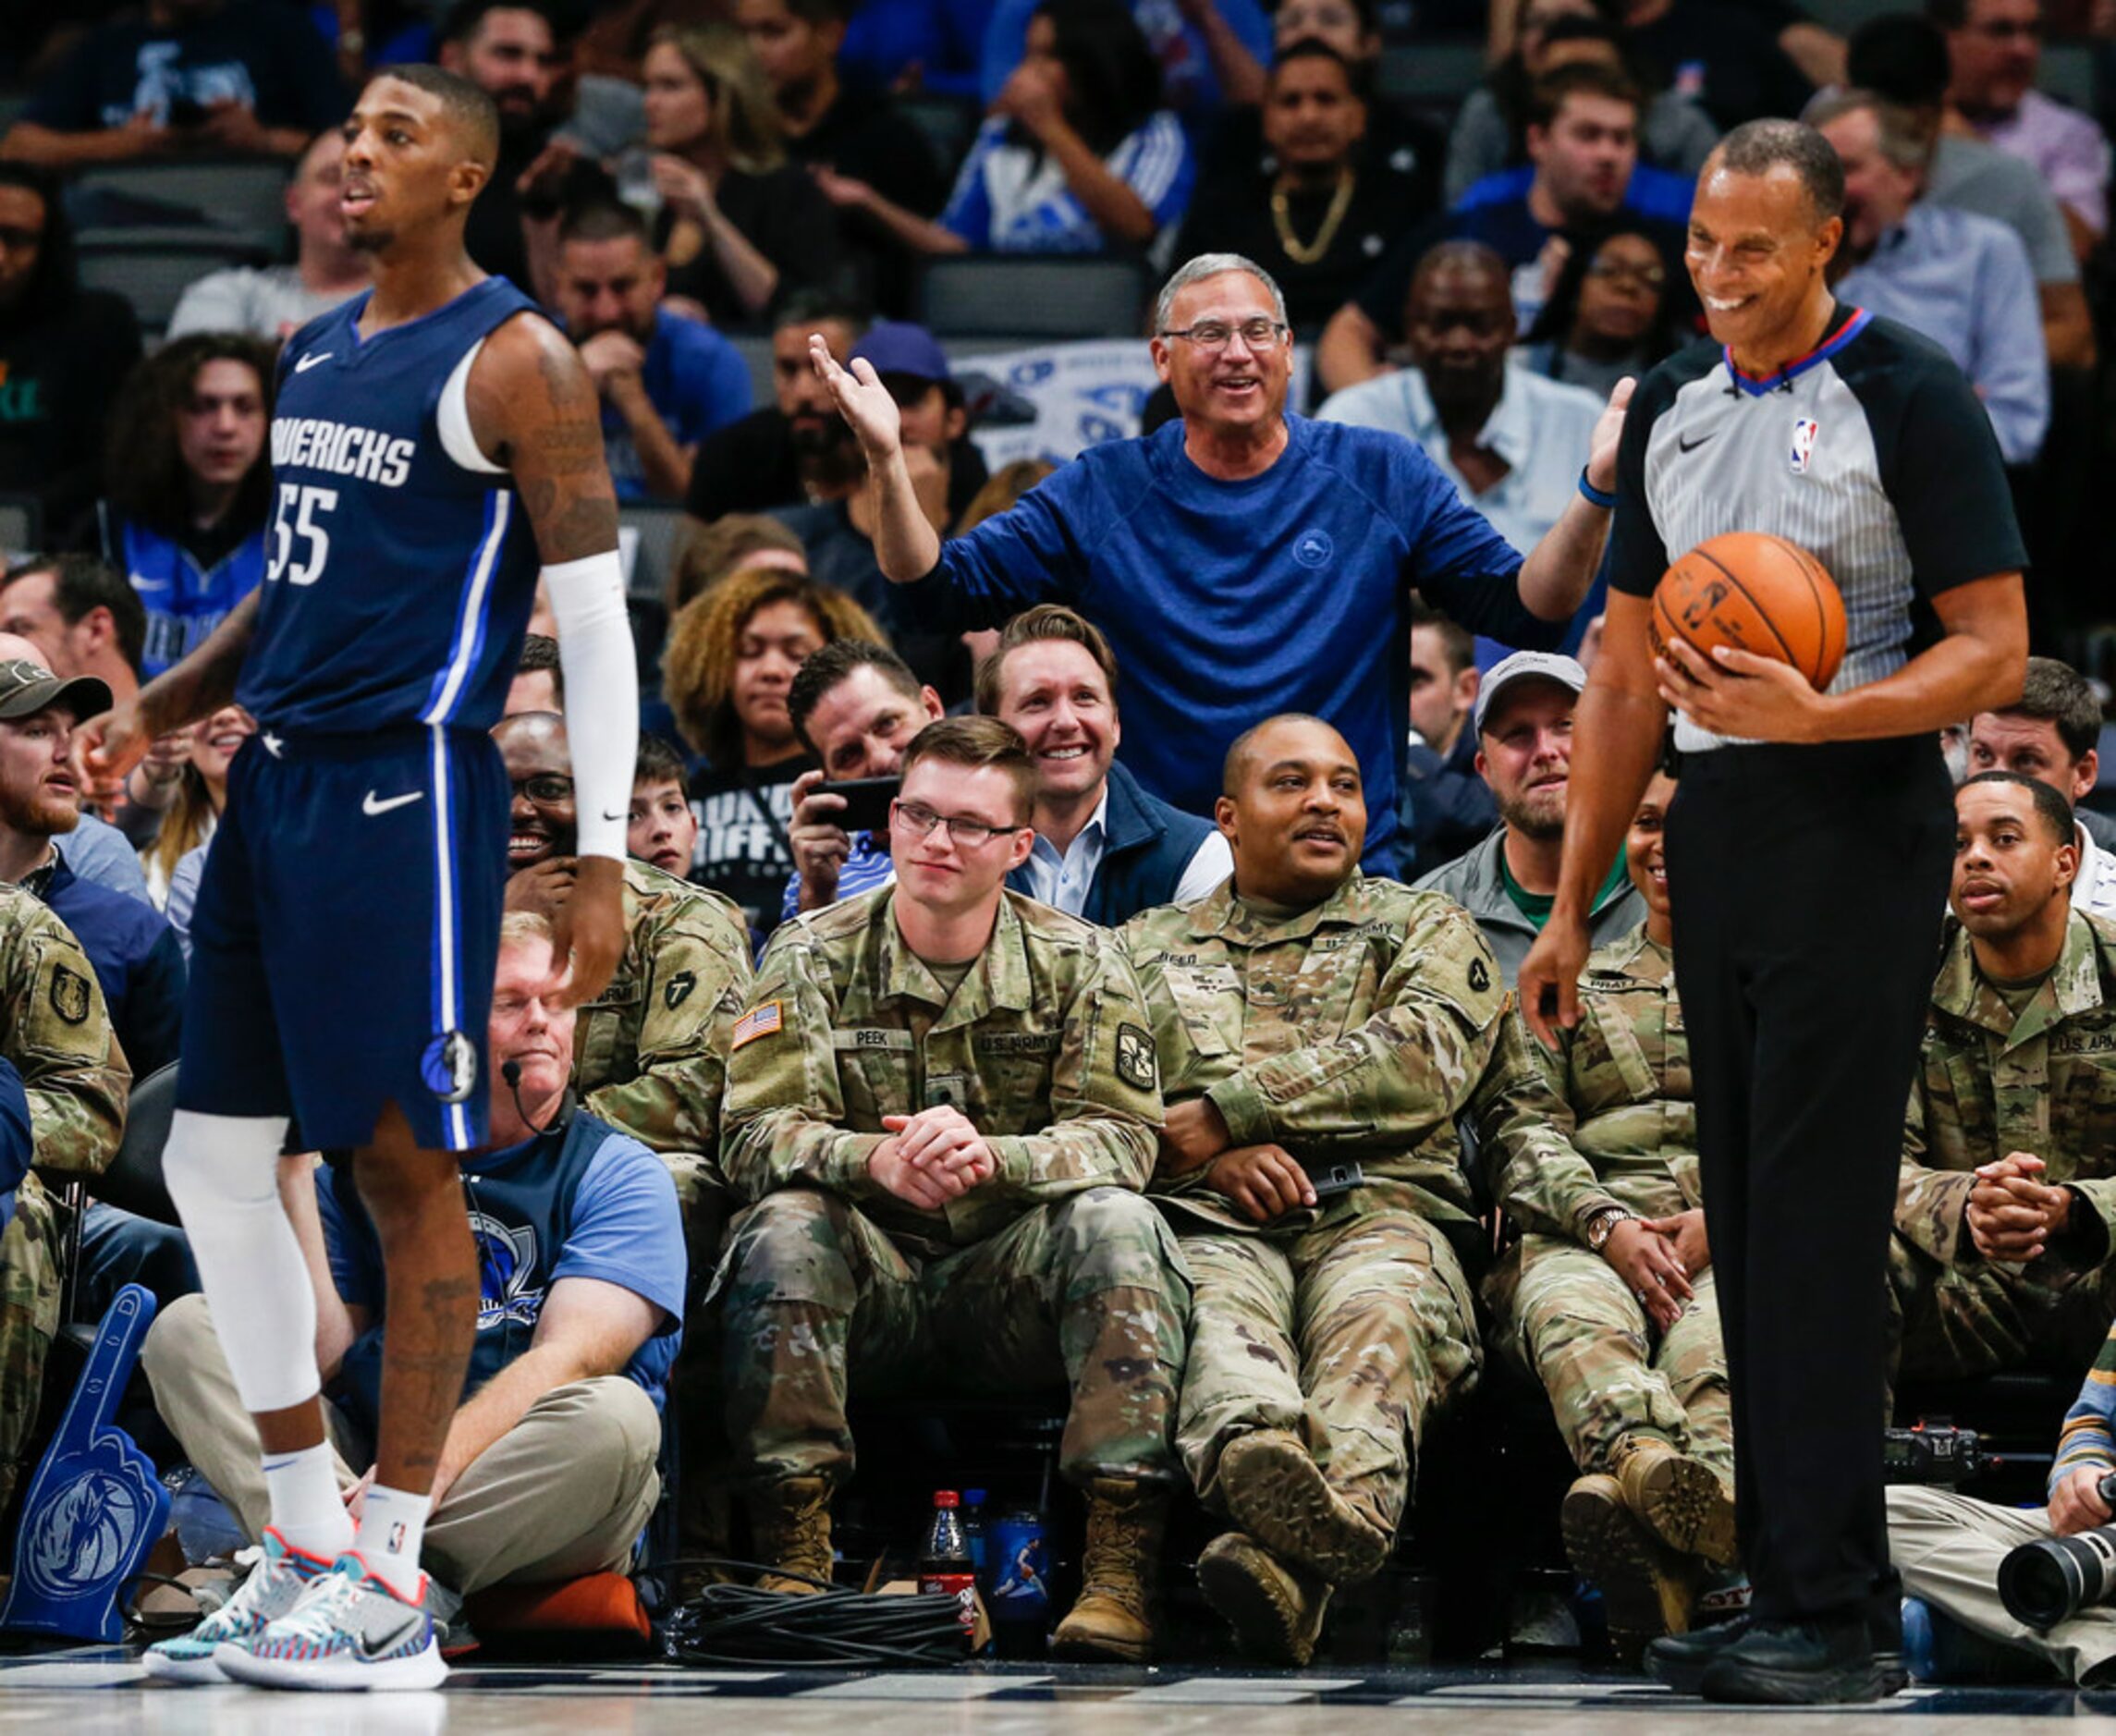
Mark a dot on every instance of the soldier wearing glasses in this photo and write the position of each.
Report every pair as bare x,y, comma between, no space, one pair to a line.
943,1102
1279,554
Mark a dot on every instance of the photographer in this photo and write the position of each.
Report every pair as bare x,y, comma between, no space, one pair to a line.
1949,1548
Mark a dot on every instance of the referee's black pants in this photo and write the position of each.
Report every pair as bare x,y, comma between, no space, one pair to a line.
1808,885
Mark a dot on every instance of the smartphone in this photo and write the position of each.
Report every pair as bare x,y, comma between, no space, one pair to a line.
1335,1179
866,801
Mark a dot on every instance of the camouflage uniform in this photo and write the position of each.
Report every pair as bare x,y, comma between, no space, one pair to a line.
55,1029
1055,1268
650,1058
1355,1030
1620,1129
1988,1084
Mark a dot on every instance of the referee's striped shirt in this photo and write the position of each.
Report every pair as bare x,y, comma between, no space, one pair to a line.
1870,451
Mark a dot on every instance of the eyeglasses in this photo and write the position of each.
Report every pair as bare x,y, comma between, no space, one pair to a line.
547,788
1650,276
921,821
1215,335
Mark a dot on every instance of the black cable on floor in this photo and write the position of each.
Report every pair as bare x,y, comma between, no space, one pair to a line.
830,1628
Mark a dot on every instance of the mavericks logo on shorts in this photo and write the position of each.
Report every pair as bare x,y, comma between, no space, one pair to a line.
450,1066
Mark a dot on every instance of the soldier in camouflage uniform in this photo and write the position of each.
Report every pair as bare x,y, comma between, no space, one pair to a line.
948,1161
1307,1017
54,1034
1606,1299
2001,1257
650,1052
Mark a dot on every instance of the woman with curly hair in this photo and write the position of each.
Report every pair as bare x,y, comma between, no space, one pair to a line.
731,659
741,224
190,483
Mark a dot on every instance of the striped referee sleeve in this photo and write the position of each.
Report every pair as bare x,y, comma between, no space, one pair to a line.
2089,1436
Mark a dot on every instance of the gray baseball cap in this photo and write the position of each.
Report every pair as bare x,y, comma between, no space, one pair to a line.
1524,666
27,687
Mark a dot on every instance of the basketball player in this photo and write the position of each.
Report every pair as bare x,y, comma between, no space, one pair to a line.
1808,852
431,441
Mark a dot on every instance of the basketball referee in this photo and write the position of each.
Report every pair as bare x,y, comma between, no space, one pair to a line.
1809,850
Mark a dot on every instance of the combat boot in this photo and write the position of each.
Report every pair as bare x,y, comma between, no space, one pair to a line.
1276,1493
1119,1573
1646,1590
790,1535
1681,1499
1275,1608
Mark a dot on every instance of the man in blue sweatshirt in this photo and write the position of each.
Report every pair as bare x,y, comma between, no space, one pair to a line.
1243,561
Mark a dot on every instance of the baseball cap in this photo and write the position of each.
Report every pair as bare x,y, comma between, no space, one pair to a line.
27,688
1524,666
899,346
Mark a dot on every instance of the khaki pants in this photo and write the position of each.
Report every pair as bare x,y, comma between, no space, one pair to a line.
1948,1549
565,1492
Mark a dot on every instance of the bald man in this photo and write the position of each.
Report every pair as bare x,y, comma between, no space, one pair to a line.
1511,441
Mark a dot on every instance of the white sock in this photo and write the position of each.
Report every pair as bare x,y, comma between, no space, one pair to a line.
307,1509
392,1526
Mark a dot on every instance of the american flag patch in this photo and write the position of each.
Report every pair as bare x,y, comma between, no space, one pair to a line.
759,1022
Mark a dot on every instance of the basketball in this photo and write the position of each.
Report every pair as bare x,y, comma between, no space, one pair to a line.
1756,592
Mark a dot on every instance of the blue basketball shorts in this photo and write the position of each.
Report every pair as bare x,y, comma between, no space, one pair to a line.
347,935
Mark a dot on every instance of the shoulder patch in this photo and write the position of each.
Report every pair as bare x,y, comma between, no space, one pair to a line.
69,995
766,1020
1135,1057
679,989
1480,975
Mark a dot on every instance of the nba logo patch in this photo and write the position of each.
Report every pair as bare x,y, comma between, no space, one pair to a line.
1804,432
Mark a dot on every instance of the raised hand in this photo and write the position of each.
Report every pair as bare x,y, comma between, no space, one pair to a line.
861,399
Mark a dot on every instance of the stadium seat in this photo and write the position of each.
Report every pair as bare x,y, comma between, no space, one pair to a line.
152,268
244,195
133,1182
21,524
1035,297
660,532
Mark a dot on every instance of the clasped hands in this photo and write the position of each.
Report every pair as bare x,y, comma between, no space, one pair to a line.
931,1157
2011,1215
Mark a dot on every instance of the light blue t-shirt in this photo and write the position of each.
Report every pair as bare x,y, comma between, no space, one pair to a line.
588,1202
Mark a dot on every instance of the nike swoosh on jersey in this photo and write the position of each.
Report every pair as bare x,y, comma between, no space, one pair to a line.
1684,443
375,804
306,362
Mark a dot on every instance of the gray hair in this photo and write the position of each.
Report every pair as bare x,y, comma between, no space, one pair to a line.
1214,265
1905,141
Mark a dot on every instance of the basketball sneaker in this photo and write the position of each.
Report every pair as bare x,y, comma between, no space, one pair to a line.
276,1584
350,1632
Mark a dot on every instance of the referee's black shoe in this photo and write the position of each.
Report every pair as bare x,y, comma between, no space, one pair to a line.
1681,1659
1825,1662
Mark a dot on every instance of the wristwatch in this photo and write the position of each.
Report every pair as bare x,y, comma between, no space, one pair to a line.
1602,1225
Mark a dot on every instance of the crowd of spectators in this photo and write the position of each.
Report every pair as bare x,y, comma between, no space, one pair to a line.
680,186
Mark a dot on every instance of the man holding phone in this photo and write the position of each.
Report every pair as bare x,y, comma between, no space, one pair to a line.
856,706
1315,1028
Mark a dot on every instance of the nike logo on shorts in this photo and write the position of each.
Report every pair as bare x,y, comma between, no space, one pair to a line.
375,804
307,362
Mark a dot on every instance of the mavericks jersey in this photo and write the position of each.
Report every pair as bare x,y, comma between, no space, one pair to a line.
399,568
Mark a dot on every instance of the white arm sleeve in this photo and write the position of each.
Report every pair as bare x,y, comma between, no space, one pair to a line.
602,696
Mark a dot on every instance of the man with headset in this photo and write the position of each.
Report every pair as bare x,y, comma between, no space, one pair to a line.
548,1469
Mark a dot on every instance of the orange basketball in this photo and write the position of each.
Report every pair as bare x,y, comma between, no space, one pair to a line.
1760,593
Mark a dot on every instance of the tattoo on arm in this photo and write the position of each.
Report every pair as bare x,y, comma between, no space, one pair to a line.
551,418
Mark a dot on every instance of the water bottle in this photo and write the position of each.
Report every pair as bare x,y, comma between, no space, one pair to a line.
945,1568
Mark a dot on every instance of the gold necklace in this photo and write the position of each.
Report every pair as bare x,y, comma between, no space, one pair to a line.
1282,220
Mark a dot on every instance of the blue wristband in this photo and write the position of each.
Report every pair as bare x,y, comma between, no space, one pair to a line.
1595,497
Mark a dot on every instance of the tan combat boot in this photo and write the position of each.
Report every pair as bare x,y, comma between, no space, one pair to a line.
1681,1499
790,1534
1275,1608
1275,1491
1119,1573
1646,1590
